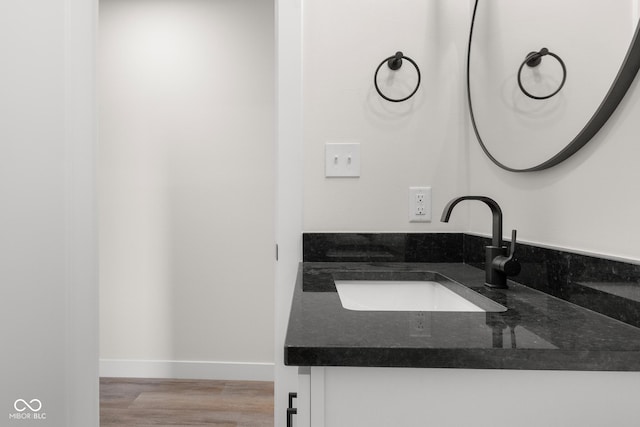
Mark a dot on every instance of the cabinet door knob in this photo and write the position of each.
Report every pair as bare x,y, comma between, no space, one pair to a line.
290,412
291,397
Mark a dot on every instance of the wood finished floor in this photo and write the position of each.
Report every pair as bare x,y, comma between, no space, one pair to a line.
152,402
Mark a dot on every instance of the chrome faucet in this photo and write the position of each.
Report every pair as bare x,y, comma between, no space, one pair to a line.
498,265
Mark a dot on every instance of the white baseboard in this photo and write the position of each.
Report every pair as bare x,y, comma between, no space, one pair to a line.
181,369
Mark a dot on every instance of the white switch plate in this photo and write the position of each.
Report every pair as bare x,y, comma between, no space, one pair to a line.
342,159
419,204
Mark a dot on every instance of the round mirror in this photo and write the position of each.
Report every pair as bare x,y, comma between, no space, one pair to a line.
544,76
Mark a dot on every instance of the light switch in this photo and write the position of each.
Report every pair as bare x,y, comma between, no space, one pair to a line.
342,159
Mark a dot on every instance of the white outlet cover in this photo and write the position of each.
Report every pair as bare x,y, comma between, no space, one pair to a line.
419,211
342,159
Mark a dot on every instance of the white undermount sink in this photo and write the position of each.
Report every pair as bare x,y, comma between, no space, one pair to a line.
398,295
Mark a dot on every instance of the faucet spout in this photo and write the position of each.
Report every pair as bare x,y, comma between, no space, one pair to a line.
498,265
496,212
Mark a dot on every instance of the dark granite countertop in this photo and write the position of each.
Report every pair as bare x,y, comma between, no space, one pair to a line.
538,331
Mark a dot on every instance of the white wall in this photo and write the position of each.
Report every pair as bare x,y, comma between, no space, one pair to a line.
584,204
420,142
48,323
289,187
186,165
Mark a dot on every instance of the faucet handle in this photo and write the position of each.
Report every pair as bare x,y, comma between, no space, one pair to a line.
512,248
509,265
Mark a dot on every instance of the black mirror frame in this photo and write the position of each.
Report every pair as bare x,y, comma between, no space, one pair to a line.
617,91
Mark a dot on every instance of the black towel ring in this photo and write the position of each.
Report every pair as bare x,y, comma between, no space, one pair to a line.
533,59
395,62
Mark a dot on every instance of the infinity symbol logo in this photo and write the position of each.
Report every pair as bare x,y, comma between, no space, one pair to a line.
21,405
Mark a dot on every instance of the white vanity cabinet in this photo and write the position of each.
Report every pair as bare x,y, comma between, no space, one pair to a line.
407,397
335,396
543,363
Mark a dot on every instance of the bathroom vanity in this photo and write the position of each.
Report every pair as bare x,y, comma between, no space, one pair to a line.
540,361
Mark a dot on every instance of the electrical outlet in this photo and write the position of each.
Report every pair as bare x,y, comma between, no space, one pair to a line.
419,321
419,204
420,324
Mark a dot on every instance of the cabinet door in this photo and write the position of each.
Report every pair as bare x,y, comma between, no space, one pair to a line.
303,401
405,397
371,397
